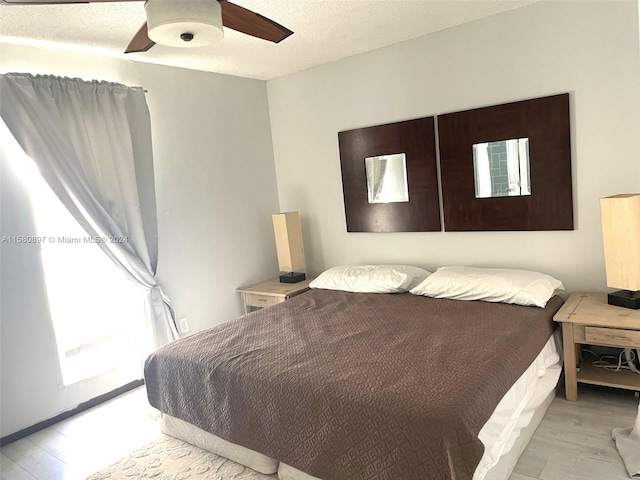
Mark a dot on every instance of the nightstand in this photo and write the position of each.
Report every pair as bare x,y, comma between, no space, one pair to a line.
269,293
587,318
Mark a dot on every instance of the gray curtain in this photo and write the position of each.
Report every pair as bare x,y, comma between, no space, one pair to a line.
91,142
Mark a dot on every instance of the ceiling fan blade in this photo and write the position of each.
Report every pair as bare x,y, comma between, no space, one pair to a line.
140,41
56,2
251,23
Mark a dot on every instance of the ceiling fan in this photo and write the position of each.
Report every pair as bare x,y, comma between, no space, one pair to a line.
188,23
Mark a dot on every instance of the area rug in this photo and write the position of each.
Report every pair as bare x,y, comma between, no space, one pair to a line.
167,458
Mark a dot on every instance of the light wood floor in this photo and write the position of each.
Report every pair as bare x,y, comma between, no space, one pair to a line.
573,441
83,444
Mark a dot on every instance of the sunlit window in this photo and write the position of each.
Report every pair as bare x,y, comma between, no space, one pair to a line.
96,310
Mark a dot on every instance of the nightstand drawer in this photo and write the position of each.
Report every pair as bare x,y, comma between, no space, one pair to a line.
616,337
270,293
257,300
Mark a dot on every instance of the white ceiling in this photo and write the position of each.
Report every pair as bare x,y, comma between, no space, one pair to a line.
325,30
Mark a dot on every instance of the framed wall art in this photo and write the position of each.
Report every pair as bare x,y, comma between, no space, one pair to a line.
389,177
507,167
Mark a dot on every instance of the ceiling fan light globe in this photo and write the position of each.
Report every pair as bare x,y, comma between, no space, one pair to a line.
168,20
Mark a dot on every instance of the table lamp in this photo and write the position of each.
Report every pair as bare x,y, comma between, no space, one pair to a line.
289,246
621,237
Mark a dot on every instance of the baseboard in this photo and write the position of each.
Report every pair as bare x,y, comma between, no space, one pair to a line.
63,416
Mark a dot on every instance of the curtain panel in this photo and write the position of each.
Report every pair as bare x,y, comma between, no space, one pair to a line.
91,141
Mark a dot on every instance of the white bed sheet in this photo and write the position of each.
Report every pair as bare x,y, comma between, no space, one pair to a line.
517,407
513,414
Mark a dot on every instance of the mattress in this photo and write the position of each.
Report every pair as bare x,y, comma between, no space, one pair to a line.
520,410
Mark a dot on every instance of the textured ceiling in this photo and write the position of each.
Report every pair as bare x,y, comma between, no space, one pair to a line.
325,30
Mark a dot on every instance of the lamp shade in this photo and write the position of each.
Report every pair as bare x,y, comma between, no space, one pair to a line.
184,23
621,238
289,246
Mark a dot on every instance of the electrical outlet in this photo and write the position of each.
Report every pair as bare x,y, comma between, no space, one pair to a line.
183,325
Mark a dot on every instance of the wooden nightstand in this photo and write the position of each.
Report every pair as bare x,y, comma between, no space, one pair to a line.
269,293
587,319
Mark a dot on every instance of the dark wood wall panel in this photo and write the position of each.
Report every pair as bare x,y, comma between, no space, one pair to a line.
545,121
415,138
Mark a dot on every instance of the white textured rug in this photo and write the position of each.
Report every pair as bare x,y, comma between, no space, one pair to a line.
170,459
628,444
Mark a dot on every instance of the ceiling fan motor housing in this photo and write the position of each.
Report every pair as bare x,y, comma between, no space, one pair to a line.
184,23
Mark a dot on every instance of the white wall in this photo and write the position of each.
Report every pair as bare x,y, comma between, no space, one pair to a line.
215,186
215,189
589,49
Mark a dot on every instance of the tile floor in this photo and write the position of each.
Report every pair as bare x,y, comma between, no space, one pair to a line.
83,444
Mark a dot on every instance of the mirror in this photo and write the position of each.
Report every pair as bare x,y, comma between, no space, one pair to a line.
501,169
387,178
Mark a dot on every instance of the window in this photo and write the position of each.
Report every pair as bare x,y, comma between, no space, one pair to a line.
94,333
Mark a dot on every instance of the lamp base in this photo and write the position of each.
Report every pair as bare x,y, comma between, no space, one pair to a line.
293,277
625,298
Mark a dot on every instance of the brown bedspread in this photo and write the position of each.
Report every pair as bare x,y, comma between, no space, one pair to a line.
348,386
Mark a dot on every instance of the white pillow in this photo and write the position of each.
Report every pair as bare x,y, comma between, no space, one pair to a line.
370,278
521,287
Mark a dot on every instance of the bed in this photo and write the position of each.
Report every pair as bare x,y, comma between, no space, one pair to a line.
337,385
